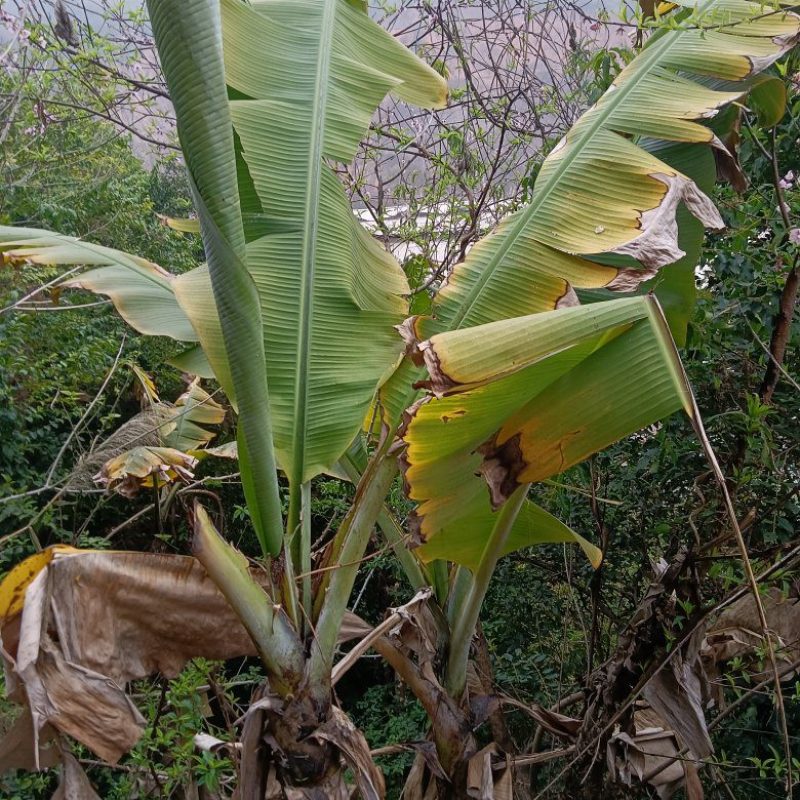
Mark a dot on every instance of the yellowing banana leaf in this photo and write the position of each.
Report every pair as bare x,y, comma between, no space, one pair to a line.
464,541
634,381
599,191
147,385
140,290
530,397
442,462
193,409
229,450
14,584
674,284
463,359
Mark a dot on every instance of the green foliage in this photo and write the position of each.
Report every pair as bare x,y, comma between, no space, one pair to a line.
388,715
165,762
80,176
166,752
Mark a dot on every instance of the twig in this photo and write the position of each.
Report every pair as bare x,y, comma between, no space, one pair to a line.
774,360
39,289
142,512
753,584
85,415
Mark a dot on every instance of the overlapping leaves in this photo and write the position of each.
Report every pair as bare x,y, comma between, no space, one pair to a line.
601,192
601,196
306,77
518,401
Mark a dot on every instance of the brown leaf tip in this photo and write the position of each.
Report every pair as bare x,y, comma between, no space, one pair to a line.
628,280
408,332
569,299
408,416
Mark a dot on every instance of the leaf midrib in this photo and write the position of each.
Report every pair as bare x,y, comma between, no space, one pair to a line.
652,56
310,230
113,259
655,51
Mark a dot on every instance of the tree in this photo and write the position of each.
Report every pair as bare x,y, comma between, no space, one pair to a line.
296,300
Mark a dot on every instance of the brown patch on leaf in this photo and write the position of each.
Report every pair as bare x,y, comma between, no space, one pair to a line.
409,414
414,524
439,382
657,244
501,466
415,536
627,280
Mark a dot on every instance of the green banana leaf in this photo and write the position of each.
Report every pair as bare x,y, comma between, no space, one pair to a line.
141,290
464,541
189,42
305,78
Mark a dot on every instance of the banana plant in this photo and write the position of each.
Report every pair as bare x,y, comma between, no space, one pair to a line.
554,338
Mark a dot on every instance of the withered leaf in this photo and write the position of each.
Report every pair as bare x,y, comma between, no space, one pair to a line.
74,783
92,621
143,467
